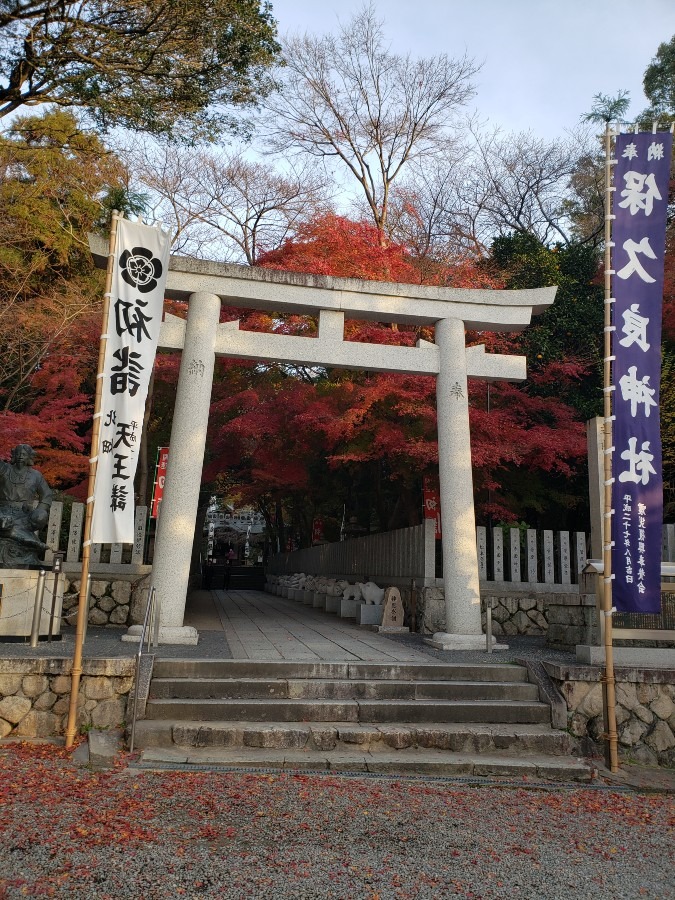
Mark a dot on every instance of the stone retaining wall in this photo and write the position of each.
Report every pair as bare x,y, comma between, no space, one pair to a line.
645,711
517,613
566,618
35,694
116,600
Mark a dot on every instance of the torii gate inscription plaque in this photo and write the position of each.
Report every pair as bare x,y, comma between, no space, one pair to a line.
201,338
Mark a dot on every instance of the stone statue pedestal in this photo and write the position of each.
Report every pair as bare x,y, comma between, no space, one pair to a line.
18,602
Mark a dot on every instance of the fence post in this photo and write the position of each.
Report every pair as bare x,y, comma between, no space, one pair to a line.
514,542
564,551
481,550
532,562
75,533
549,562
498,554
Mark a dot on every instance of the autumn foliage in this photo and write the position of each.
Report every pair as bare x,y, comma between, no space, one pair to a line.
315,441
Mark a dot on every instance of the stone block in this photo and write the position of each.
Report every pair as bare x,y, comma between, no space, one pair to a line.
123,685
97,617
5,728
108,713
663,707
38,724
621,714
271,738
61,706
500,614
318,600
348,608
121,591
9,684
98,588
661,738
139,602
359,736
626,695
45,701
18,602
368,614
538,618
14,709
324,738
398,738
521,621
596,729
97,688
646,693
106,604
644,714
643,756
591,705
632,732
119,615
578,725
34,685
527,603
60,684
333,603
104,747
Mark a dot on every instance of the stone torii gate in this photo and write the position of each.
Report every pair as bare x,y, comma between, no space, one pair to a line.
201,338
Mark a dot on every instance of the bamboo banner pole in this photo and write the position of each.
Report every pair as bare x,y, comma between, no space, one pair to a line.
609,692
82,609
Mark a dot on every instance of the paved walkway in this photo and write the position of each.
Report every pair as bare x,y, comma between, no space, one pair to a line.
262,626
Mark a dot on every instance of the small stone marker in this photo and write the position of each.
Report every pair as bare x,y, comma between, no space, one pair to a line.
53,530
393,613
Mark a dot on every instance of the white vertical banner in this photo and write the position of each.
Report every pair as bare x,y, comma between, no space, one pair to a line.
135,317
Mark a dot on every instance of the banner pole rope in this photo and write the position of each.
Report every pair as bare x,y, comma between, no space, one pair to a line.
609,682
82,609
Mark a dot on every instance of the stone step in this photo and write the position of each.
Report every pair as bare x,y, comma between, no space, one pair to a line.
345,736
502,711
227,668
348,689
435,763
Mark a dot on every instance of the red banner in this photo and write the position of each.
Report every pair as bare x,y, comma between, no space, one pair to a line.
160,476
317,531
432,502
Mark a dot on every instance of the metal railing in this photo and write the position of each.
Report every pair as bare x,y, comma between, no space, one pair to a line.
148,627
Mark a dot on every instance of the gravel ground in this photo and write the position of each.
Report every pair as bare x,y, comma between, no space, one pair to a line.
67,832
521,646
107,643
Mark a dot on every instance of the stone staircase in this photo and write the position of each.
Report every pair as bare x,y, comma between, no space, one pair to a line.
353,716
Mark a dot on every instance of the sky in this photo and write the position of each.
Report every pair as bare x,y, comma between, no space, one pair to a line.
543,60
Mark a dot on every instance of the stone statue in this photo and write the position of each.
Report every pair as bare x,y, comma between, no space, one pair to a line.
20,518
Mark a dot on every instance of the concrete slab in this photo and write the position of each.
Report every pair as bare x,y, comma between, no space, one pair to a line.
259,626
640,657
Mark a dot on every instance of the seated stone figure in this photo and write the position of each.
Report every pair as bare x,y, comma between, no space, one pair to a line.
20,519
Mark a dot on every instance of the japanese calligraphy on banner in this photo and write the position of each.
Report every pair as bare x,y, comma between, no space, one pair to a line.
432,503
160,478
641,179
134,320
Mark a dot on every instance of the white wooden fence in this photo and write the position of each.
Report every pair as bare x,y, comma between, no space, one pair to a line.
509,555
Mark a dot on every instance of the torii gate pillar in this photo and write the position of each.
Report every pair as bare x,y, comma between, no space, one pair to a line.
176,523
458,521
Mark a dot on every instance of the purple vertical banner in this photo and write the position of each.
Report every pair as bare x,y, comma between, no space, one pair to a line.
641,178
